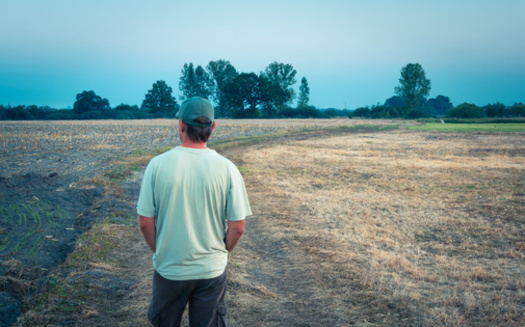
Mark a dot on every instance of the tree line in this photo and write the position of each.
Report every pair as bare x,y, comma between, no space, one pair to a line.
410,102
268,94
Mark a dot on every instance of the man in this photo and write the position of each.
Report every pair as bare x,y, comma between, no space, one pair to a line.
191,208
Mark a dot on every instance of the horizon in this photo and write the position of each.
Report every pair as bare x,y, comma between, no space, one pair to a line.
350,53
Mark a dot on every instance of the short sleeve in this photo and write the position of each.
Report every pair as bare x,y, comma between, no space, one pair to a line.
146,201
238,205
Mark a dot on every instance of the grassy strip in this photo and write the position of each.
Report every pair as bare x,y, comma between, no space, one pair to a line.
265,138
65,292
469,128
81,280
509,120
135,161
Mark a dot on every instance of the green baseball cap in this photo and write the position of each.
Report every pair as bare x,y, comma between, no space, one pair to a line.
193,108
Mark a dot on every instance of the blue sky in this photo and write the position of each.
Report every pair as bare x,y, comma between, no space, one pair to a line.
351,52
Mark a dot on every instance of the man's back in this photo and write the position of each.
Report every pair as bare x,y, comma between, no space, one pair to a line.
191,192
191,209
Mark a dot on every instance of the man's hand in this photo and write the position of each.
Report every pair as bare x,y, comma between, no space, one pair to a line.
147,227
234,233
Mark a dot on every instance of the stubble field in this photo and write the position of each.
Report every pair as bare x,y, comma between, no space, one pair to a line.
351,226
386,229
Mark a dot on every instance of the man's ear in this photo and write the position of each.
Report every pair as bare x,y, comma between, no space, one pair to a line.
182,125
213,125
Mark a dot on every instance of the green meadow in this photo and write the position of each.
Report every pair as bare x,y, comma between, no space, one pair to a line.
468,128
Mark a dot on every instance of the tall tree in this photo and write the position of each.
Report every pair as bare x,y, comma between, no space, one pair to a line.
414,87
160,99
221,73
187,81
242,95
89,101
304,93
204,82
281,78
268,92
195,82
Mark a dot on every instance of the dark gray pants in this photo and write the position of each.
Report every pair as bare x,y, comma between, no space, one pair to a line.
206,298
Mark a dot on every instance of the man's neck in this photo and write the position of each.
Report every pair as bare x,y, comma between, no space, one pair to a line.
194,145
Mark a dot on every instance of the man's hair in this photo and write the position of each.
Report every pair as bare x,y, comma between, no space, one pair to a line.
199,134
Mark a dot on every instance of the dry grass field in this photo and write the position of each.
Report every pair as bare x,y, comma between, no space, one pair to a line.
384,229
350,227
58,178
86,147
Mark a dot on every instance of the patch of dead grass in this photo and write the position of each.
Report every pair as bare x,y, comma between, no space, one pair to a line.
398,228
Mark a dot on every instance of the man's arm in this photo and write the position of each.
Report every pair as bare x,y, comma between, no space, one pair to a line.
147,227
234,233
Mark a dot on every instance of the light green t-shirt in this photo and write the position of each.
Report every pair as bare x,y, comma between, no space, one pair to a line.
192,192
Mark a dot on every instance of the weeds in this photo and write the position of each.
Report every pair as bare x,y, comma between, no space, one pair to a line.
93,246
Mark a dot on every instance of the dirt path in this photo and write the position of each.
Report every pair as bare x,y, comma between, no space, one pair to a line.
268,285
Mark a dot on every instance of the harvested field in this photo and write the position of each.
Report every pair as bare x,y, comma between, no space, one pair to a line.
377,228
56,180
84,148
384,229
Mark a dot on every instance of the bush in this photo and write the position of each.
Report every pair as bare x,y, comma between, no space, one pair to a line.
415,114
518,110
466,110
309,112
16,113
66,114
330,113
362,112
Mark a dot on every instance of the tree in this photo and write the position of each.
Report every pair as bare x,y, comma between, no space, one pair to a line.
276,87
414,87
438,106
312,112
304,92
395,102
195,82
221,73
160,99
466,110
362,112
518,110
267,92
241,95
38,112
89,101
495,110
384,112
126,107
15,113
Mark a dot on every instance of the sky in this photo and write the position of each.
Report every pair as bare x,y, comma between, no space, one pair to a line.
350,51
